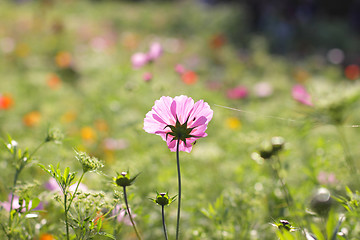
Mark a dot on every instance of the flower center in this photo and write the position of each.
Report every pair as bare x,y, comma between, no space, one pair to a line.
180,131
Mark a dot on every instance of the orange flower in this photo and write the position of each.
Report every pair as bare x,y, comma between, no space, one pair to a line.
46,236
189,77
6,102
352,72
63,59
53,81
88,134
32,118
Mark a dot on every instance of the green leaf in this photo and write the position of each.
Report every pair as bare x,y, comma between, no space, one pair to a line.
103,236
35,203
331,223
317,232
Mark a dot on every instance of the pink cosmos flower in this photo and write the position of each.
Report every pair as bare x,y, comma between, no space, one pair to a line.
300,94
139,59
180,69
155,51
237,93
16,204
52,185
122,215
263,89
147,76
179,119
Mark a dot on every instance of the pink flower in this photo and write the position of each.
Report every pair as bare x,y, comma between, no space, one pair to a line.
139,59
147,76
237,93
180,69
179,119
52,185
155,51
122,215
16,204
263,89
300,94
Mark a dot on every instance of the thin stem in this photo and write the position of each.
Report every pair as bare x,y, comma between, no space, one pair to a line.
163,221
179,187
36,149
284,187
348,158
128,211
66,216
73,195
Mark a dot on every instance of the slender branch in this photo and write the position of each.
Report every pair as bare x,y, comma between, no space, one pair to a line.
66,216
73,195
179,187
284,187
128,211
163,221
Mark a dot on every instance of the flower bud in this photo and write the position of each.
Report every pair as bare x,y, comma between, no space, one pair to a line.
277,143
321,202
124,180
266,150
163,199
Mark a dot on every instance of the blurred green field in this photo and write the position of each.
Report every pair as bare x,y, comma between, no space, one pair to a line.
67,65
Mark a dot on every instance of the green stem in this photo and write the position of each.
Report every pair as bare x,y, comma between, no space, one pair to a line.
128,211
288,197
163,221
36,149
73,195
179,187
66,216
348,158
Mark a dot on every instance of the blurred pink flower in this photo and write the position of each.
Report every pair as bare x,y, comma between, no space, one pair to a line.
16,204
300,94
147,76
263,89
115,144
122,216
52,185
237,92
326,178
180,69
139,59
179,116
155,51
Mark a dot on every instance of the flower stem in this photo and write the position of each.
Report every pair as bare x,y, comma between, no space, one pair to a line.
163,221
179,187
348,157
128,211
284,187
66,216
73,195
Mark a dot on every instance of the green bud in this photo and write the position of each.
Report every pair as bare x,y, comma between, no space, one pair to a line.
277,143
321,202
88,163
54,135
266,150
124,180
163,199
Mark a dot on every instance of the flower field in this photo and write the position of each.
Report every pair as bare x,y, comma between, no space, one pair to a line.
253,144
